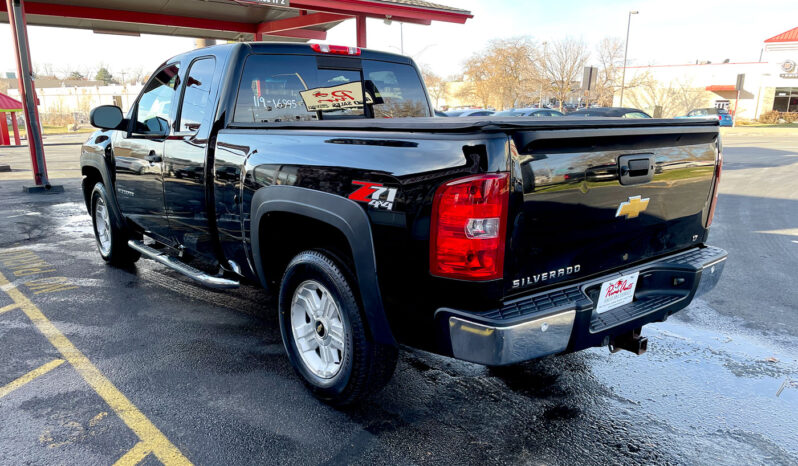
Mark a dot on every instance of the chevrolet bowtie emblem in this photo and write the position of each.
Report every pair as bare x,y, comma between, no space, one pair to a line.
632,207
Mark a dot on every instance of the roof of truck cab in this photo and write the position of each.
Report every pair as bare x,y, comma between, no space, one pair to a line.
294,48
287,48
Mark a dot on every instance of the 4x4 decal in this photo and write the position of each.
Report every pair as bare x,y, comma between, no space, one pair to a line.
375,194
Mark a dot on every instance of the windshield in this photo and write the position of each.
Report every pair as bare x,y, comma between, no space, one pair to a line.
278,88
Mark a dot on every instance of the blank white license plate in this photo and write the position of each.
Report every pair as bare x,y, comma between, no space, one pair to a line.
617,292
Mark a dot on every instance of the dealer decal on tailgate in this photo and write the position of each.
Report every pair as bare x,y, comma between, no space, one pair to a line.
374,194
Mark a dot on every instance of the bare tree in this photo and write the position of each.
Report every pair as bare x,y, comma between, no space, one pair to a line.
504,74
513,66
436,86
136,75
44,70
478,84
565,60
610,63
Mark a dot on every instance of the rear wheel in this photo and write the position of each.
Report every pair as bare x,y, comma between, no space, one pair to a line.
325,335
111,240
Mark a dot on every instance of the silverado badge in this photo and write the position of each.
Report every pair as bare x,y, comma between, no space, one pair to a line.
632,207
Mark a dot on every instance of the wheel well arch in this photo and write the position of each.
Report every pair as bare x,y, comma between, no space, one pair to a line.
287,218
91,176
94,169
295,233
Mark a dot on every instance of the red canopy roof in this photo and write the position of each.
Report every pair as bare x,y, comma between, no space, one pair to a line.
788,36
7,104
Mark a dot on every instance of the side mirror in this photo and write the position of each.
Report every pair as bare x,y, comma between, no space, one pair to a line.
107,117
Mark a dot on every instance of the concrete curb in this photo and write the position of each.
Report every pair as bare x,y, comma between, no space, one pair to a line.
46,189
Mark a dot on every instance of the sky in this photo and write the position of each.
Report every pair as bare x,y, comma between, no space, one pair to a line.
664,32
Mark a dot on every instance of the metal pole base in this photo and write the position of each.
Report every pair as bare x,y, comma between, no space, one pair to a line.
43,189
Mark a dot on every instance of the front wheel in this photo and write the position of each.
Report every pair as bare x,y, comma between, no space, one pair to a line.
325,335
111,240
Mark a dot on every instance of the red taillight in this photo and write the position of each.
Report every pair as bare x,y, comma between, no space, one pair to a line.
468,225
718,169
335,49
720,117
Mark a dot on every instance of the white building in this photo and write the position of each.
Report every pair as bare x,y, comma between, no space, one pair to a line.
769,84
67,97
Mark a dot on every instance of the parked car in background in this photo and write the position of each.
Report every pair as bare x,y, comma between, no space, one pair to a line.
470,112
529,112
723,115
618,112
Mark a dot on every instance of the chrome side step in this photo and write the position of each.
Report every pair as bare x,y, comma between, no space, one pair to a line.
187,270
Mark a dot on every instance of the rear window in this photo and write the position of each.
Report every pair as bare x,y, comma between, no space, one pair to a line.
277,88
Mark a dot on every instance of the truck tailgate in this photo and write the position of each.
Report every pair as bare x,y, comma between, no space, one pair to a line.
594,200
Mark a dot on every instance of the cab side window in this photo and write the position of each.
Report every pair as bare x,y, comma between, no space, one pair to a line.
155,103
197,96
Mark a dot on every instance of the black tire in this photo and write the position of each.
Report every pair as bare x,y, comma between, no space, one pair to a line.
117,252
366,366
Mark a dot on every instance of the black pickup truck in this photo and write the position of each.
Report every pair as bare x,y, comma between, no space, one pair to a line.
319,172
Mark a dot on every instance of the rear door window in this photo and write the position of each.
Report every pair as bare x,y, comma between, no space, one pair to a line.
279,88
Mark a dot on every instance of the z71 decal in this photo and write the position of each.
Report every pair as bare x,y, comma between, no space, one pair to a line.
374,194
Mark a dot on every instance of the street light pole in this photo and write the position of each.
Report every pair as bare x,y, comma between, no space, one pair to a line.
402,37
625,51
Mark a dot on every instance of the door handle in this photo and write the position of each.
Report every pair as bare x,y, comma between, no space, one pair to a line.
152,157
636,168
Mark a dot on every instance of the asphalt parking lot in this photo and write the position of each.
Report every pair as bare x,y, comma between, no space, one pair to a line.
142,366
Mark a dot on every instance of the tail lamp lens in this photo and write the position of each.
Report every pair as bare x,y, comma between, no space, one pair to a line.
469,218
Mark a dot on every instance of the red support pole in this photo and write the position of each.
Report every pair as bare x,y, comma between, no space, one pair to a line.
5,140
361,31
16,128
27,91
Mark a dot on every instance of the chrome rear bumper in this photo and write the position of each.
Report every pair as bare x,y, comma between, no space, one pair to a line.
563,319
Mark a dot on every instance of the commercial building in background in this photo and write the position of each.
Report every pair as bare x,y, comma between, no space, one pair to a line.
769,84
74,95
69,101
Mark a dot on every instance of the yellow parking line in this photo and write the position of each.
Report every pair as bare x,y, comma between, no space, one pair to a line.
10,307
134,456
38,372
150,435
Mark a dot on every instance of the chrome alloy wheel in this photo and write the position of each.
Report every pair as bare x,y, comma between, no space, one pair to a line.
318,329
102,224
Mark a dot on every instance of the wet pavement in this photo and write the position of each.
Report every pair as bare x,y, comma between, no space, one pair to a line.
207,369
